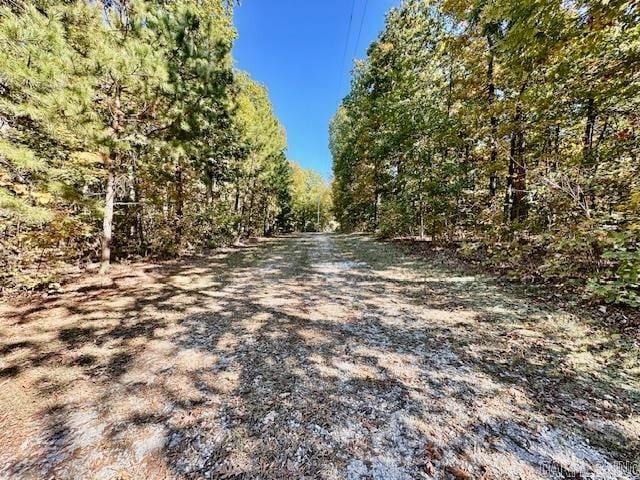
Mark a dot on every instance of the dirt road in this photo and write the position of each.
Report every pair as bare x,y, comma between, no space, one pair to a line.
310,356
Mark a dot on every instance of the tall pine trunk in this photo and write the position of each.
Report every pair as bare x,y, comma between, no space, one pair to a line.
110,159
491,91
107,222
139,209
179,202
421,203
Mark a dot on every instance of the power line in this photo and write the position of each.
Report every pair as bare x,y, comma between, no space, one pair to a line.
346,45
364,14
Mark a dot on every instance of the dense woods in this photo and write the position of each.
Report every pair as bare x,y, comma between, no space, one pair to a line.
164,313
125,130
511,127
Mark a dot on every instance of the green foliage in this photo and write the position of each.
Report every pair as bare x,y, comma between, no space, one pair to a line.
509,125
620,281
311,201
137,98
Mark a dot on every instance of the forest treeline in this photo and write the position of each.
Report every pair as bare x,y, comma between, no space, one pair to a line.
511,127
125,130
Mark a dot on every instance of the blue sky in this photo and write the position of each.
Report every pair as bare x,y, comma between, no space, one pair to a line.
297,50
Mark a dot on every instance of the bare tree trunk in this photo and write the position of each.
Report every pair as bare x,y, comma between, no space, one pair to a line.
491,91
107,223
210,181
265,215
421,203
110,160
135,197
252,199
493,184
179,202
237,200
554,149
587,149
241,221
140,225
515,204
520,205
140,220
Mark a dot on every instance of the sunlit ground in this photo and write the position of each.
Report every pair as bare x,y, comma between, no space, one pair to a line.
310,356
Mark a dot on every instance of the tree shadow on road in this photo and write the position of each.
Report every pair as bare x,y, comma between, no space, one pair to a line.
304,357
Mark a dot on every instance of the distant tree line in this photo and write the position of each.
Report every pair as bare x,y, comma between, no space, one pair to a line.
312,204
512,126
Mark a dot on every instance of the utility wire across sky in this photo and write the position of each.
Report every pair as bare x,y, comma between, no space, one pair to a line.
348,37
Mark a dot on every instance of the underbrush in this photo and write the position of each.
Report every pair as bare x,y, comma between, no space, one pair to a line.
601,267
602,274
40,259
